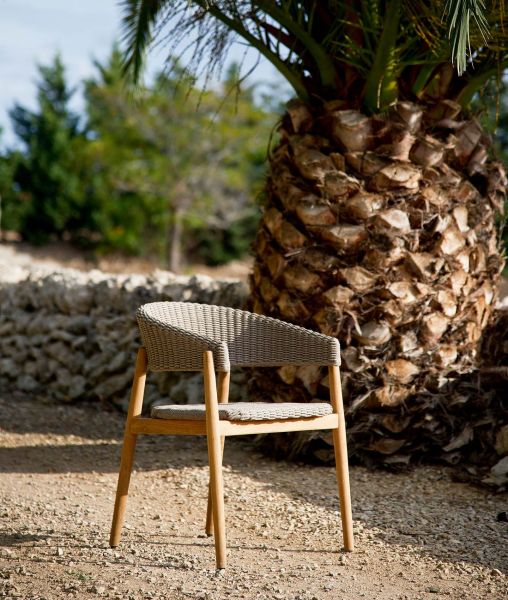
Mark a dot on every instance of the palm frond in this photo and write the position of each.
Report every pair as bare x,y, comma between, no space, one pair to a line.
381,84
139,17
459,14
328,49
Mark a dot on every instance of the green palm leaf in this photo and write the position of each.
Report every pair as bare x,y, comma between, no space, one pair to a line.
139,17
460,13
372,52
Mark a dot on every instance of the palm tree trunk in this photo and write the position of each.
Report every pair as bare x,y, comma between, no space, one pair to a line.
382,231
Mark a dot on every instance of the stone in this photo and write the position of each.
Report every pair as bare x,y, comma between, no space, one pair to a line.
94,364
7,367
79,324
498,474
26,383
119,362
61,335
188,390
77,387
74,333
59,351
113,385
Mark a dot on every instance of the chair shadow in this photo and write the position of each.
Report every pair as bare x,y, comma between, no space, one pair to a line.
418,518
101,457
92,420
245,547
16,539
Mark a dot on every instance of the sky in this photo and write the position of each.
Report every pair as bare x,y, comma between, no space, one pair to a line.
33,31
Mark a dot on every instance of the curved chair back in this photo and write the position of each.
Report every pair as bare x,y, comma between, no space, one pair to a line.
175,335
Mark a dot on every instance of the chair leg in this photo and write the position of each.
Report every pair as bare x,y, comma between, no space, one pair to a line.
215,459
209,516
223,392
129,446
341,462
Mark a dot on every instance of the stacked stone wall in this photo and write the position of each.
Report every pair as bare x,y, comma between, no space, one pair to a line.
68,335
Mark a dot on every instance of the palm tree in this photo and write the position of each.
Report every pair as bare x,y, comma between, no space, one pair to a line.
379,220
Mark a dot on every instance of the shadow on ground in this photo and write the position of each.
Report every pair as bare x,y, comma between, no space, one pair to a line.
423,509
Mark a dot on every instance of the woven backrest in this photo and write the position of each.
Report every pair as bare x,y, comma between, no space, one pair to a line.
175,335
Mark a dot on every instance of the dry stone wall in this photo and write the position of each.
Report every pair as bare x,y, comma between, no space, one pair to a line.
70,335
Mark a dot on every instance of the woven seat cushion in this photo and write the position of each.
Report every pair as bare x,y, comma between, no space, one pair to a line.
244,411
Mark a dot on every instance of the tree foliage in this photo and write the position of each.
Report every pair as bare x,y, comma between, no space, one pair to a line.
166,169
47,173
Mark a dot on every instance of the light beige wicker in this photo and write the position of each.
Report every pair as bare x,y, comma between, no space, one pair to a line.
175,335
181,336
245,411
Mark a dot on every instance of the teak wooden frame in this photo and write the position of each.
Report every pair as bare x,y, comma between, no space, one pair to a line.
216,430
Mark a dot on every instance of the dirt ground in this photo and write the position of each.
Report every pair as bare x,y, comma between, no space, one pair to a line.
419,535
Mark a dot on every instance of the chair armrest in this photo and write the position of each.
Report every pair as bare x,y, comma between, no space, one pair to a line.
171,348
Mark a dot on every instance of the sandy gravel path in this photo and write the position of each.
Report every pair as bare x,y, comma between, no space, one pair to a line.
419,535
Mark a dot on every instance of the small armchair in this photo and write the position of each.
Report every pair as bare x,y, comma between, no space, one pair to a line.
180,336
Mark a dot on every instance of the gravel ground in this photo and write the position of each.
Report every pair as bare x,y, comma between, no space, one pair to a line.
418,534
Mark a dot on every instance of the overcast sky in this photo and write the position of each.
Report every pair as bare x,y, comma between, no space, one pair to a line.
32,31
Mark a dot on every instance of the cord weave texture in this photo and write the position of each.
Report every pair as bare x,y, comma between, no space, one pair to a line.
176,334
244,411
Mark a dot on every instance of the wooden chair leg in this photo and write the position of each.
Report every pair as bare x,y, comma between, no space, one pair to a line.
215,459
129,446
223,391
341,462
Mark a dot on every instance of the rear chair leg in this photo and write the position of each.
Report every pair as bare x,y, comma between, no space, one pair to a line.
129,446
341,463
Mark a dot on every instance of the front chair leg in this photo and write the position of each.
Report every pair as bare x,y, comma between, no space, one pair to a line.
215,460
209,511
223,392
129,446
341,463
